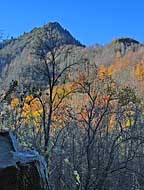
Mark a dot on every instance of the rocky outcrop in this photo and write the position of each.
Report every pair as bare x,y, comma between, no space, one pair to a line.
124,45
20,170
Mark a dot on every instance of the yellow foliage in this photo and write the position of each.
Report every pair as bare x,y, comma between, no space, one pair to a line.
14,103
112,122
139,71
110,70
129,122
32,109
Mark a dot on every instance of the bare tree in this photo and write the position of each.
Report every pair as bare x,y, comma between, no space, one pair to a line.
111,140
49,66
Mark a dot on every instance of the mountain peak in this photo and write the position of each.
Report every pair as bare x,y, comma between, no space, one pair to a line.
54,31
53,24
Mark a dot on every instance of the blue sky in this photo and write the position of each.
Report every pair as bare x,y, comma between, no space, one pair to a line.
90,21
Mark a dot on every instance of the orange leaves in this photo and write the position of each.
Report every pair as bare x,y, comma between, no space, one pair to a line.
83,116
35,105
106,98
105,72
102,72
102,101
73,86
60,118
110,70
29,98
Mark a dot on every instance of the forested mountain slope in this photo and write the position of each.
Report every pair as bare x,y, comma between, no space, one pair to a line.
123,57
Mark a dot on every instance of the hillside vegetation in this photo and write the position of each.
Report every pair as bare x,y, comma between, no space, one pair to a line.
81,107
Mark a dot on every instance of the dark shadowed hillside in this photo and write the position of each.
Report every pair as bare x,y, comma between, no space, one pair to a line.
15,54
